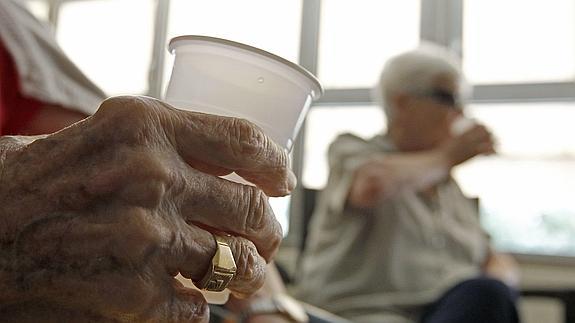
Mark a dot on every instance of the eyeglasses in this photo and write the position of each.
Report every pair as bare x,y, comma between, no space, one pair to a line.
445,98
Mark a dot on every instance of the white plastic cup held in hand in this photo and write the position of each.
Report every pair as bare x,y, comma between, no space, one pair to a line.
222,77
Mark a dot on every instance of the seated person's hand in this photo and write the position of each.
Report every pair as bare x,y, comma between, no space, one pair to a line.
97,219
372,182
477,140
503,267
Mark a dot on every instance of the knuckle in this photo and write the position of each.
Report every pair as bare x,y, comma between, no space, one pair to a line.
108,175
250,268
246,138
145,179
140,238
126,117
122,107
257,210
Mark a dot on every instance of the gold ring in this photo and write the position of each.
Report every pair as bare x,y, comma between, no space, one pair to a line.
222,269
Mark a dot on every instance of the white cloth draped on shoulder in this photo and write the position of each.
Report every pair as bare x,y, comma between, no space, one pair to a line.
46,74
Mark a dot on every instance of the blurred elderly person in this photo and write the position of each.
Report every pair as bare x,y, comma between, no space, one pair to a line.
393,238
97,219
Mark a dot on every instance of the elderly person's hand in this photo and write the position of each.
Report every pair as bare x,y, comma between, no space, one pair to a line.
97,219
503,267
477,140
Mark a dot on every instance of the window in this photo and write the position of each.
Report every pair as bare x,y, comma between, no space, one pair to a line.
357,37
517,41
506,45
324,124
526,190
110,40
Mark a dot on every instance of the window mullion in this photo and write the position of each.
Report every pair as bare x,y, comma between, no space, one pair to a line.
454,30
441,22
308,56
156,69
309,40
53,12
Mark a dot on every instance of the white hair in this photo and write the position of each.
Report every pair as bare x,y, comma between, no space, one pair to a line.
414,72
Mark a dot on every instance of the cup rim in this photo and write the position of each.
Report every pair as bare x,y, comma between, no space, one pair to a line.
174,42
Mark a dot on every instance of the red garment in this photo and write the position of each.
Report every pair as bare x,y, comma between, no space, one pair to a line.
16,110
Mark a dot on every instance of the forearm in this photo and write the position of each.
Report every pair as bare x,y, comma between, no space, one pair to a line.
385,176
417,171
10,144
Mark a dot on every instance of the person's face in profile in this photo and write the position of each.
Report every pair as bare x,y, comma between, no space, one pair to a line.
426,117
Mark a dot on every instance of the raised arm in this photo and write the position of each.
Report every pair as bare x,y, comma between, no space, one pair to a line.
384,176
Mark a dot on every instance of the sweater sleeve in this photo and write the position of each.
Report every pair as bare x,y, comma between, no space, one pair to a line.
16,110
346,154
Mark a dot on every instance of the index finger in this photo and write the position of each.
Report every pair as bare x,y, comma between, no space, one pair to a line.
235,145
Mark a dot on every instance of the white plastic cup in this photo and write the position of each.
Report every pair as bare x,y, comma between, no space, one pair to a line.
227,78
222,77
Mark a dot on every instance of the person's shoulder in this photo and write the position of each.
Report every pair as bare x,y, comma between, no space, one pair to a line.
348,139
348,144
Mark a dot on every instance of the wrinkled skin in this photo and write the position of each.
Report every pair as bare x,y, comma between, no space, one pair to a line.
97,219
